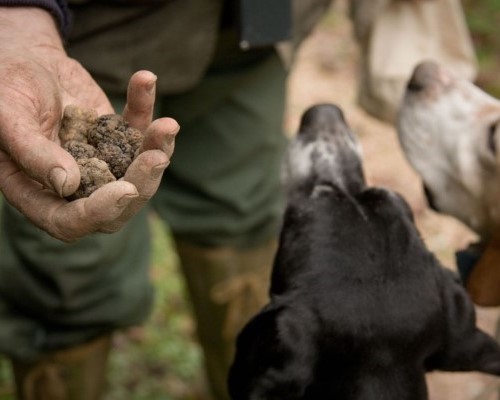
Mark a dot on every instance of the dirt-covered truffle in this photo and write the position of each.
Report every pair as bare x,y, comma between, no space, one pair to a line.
80,150
134,138
94,174
107,139
76,122
117,159
111,138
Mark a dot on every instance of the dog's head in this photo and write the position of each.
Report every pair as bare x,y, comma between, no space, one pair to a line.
449,130
324,152
331,212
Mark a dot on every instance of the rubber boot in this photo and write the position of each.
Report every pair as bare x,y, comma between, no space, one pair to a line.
76,373
226,286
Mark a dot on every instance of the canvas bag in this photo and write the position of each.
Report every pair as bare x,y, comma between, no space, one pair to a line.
402,34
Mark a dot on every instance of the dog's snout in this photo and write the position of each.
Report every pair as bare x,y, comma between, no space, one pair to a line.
423,75
414,85
322,117
324,151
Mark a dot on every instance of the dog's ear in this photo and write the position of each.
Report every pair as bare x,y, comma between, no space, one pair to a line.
404,206
464,347
393,202
275,356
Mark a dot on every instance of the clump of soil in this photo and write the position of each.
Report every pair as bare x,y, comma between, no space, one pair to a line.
103,146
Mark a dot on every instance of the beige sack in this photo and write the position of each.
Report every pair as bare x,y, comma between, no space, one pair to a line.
402,34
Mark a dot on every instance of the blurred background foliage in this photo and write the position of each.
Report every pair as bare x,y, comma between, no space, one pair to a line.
161,360
483,18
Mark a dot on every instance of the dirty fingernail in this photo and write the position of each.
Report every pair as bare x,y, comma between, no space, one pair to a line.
57,178
158,170
150,87
124,200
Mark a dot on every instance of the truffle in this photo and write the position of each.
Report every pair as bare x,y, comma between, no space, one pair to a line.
80,150
103,146
94,174
75,123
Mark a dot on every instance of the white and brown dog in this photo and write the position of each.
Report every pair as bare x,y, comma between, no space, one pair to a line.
450,131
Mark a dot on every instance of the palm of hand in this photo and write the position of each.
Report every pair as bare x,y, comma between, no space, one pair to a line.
32,164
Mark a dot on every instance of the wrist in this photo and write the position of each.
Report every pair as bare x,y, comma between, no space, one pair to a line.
58,8
30,27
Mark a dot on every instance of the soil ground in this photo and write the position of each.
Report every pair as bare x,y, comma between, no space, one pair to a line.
326,71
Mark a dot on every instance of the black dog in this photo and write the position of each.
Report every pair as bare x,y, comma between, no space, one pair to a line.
359,308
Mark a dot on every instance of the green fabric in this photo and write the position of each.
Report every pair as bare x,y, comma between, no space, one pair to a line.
222,187
54,294
176,39
157,37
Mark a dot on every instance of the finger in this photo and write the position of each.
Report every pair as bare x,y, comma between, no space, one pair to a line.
30,197
146,171
66,221
160,135
139,109
17,187
29,142
96,212
145,174
47,163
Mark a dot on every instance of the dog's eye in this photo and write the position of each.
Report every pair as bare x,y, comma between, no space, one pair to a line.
492,132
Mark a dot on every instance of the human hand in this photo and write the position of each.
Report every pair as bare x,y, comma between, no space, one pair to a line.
38,80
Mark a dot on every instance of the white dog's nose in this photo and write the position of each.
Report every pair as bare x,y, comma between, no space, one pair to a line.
424,75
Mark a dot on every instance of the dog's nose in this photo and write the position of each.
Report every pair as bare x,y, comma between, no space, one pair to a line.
321,117
424,74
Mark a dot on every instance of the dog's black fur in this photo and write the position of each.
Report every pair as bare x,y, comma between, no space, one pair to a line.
359,309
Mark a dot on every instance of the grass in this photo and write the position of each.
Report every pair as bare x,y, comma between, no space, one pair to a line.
483,18
6,390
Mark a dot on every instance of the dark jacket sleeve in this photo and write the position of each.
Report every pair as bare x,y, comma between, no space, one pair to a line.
58,8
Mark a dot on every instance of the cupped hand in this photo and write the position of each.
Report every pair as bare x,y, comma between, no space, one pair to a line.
38,80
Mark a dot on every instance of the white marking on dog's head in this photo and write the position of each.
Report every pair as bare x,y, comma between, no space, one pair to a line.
324,151
319,189
447,128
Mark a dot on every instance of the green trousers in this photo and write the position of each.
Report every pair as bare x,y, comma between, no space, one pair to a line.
221,189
